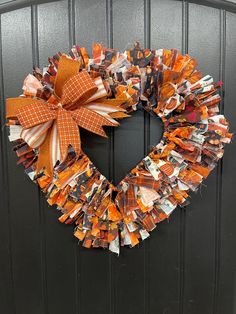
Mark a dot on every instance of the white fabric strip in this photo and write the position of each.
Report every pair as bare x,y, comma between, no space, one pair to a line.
54,145
35,136
15,132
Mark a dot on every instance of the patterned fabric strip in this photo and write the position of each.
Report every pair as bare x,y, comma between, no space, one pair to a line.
148,182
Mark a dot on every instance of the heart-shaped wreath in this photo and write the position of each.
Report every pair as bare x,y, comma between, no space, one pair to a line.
76,91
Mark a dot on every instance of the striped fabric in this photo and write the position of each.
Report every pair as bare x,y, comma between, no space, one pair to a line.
55,145
104,110
35,136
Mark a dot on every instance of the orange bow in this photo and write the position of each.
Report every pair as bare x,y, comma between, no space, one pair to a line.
53,125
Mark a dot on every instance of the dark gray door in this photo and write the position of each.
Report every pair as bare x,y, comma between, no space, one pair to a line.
189,263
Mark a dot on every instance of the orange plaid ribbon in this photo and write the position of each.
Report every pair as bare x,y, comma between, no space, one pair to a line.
53,125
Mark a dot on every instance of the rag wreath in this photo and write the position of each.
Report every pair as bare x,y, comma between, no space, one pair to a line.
75,92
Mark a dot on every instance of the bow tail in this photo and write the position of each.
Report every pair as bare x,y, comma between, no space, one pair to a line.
68,133
44,160
49,152
91,121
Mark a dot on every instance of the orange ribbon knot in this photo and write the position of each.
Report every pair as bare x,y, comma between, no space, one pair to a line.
53,125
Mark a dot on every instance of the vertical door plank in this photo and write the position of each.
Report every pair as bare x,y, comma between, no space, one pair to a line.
90,27
200,215
227,274
23,195
6,279
166,32
59,244
53,29
90,19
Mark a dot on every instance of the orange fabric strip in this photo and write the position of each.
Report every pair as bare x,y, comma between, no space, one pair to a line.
67,67
44,156
14,104
68,132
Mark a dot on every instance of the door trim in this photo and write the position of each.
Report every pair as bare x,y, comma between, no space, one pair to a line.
10,5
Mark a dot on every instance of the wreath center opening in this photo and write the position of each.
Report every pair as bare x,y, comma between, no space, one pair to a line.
125,146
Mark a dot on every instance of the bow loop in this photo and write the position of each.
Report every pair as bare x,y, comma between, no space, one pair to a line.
78,89
52,126
35,113
67,68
